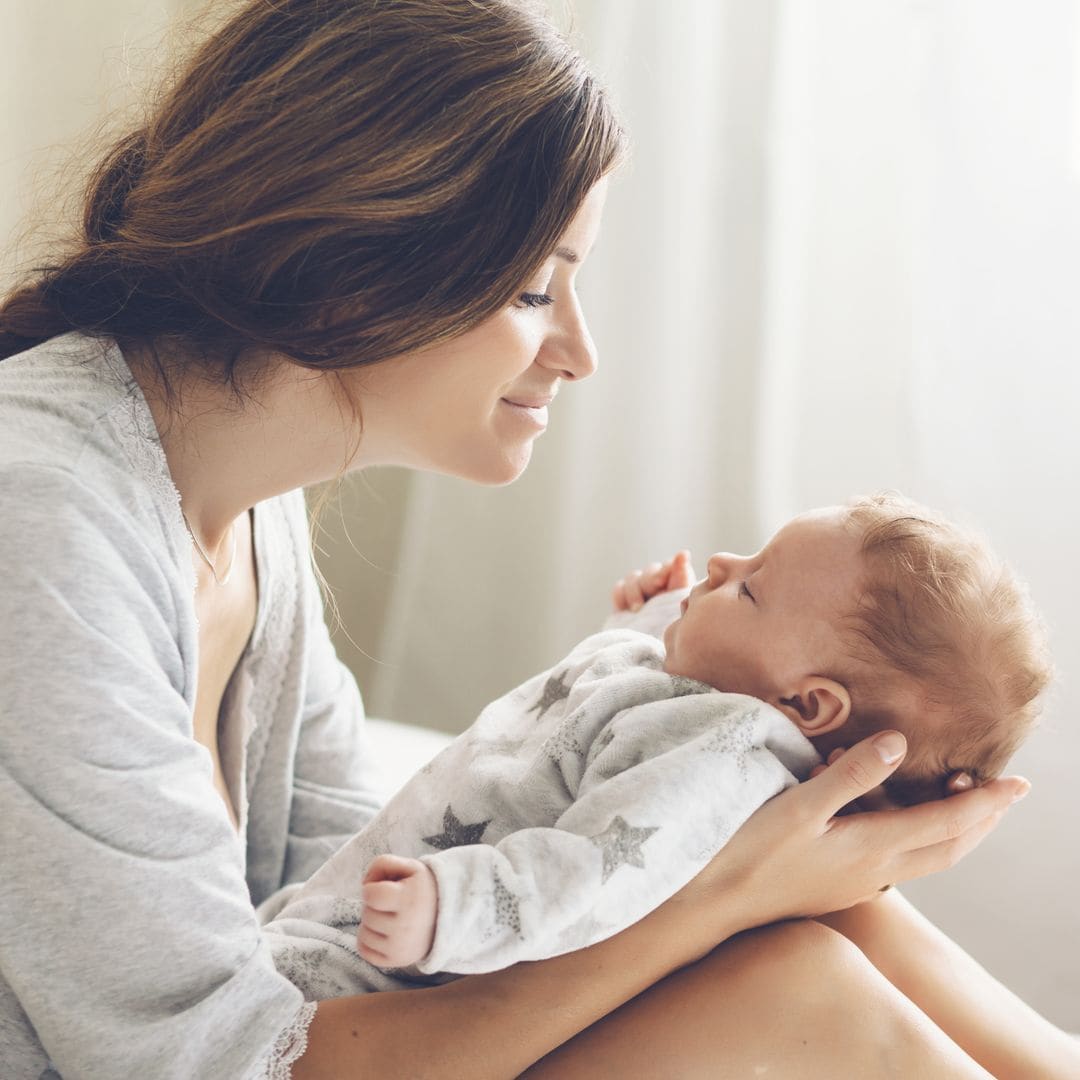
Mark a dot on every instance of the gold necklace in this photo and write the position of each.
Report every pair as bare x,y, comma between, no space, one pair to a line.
224,580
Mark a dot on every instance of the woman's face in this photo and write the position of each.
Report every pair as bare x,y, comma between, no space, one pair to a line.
472,407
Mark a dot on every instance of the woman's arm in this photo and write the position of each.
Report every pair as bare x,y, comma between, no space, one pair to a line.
794,857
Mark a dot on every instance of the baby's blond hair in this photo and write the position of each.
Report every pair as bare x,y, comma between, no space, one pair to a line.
943,633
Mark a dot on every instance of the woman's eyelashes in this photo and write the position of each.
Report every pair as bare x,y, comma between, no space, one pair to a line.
535,300
745,591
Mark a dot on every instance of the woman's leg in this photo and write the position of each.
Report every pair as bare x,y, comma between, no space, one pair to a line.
794,1001
992,1024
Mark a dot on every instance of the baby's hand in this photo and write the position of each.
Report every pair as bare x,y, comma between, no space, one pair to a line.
638,586
401,901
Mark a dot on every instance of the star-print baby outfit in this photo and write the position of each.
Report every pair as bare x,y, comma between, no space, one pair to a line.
572,807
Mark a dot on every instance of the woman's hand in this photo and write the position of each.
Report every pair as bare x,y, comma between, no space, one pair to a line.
796,857
878,799
631,591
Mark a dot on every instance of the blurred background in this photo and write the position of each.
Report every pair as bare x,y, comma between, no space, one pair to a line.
844,256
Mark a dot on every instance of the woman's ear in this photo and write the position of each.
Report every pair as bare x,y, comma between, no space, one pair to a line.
817,705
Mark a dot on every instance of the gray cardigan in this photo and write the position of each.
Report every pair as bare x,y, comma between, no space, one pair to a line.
129,941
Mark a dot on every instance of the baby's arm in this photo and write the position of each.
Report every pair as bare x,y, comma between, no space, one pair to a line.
401,903
665,785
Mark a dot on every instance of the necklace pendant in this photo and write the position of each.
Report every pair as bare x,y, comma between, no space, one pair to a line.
220,579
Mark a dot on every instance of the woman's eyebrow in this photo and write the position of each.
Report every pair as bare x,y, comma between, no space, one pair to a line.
567,255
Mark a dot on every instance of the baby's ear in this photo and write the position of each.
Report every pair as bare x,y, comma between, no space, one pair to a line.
817,705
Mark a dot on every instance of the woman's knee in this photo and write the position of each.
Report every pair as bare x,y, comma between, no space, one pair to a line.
794,999
802,952
825,985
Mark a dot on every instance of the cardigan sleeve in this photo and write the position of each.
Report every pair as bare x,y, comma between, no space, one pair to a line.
127,934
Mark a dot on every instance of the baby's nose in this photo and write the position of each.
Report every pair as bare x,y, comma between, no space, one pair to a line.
718,567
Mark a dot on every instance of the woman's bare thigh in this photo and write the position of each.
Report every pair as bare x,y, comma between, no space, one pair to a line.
794,1001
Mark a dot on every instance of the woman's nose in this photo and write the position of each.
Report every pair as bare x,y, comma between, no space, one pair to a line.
570,350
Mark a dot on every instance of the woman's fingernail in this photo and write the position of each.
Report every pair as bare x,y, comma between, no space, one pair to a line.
962,782
1022,789
890,746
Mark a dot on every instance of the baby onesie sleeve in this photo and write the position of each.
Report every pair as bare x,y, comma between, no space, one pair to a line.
127,934
665,784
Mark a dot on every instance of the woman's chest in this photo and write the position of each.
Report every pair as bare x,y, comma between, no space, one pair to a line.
226,615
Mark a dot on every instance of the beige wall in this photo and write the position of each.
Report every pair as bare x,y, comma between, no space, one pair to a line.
68,68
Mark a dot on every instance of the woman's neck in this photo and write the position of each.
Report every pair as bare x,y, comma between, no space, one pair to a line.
228,451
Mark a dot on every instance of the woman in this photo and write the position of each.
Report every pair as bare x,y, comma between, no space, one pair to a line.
347,235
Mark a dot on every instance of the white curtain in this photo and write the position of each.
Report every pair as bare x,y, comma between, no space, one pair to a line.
846,256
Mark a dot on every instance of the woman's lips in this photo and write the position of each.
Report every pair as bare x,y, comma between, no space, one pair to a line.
532,409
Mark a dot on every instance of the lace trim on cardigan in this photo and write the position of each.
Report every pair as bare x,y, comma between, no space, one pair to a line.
280,604
288,1046
138,436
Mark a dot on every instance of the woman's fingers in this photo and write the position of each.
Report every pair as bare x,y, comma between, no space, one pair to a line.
861,769
944,821
947,853
958,781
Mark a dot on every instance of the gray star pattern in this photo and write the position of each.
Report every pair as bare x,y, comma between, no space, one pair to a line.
455,833
603,741
309,970
564,740
734,738
345,912
555,690
507,911
620,844
681,686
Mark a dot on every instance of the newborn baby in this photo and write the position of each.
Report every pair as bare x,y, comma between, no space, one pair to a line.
587,796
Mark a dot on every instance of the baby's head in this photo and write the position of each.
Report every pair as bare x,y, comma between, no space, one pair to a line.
878,614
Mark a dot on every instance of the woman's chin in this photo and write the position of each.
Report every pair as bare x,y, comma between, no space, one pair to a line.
494,470
505,469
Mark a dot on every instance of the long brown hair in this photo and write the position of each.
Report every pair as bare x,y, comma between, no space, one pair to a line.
337,181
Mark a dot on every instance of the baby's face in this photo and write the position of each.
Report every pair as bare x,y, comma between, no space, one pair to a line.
758,623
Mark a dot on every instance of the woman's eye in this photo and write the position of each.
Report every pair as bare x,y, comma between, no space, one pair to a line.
534,300
744,591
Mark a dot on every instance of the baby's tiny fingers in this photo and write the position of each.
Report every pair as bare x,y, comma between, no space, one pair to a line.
373,955
634,595
382,896
368,932
379,925
618,595
680,572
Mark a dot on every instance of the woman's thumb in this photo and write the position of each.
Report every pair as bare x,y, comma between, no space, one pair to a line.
861,769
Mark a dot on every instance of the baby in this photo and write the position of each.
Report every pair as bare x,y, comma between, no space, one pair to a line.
590,794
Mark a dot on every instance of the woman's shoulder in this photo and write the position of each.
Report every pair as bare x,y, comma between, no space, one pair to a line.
72,415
